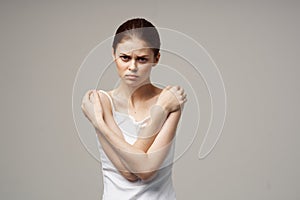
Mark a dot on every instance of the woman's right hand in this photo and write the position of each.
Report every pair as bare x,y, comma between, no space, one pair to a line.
171,98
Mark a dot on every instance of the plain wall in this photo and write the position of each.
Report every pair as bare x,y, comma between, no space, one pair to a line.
255,45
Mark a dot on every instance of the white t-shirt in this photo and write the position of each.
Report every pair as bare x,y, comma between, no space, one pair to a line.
116,187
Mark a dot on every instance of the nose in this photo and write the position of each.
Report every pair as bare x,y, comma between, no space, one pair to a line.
132,66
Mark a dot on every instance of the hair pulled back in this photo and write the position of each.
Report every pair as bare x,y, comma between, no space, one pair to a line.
139,28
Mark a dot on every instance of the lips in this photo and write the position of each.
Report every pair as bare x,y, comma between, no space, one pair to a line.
131,76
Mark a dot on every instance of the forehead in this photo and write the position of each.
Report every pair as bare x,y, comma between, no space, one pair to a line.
135,46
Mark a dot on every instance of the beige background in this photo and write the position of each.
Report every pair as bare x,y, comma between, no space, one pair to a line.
255,45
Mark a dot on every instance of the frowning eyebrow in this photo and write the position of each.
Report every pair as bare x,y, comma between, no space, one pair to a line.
142,56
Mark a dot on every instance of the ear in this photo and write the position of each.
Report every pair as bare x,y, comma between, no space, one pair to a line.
113,54
156,59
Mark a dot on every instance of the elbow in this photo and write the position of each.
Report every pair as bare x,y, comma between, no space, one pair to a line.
147,176
129,176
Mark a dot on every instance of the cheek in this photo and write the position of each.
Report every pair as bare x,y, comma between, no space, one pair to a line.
146,69
121,66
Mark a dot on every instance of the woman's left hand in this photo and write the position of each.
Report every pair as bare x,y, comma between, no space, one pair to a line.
98,111
92,108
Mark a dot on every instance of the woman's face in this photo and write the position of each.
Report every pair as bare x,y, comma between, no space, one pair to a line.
134,60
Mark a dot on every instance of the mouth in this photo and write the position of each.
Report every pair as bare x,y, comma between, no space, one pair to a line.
131,76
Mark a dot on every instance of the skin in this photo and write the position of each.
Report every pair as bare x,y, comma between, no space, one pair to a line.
142,159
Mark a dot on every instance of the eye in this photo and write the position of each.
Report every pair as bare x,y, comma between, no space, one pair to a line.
125,58
143,60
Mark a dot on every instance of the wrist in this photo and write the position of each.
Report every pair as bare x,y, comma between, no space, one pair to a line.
100,124
164,108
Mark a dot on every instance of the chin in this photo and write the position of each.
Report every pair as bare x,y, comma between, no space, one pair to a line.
134,83
131,83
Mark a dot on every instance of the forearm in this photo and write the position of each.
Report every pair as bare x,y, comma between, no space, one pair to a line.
146,137
114,158
147,134
135,159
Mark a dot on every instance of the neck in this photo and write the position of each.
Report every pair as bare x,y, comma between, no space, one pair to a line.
134,94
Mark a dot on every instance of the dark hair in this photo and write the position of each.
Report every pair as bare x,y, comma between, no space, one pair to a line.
140,28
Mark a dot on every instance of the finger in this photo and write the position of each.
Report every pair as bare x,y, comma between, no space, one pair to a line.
168,87
97,104
184,100
181,90
98,101
173,89
86,97
183,97
93,97
89,94
96,96
98,111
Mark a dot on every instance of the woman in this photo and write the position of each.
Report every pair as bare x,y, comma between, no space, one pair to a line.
136,122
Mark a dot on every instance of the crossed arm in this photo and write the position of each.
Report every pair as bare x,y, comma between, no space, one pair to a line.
143,158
